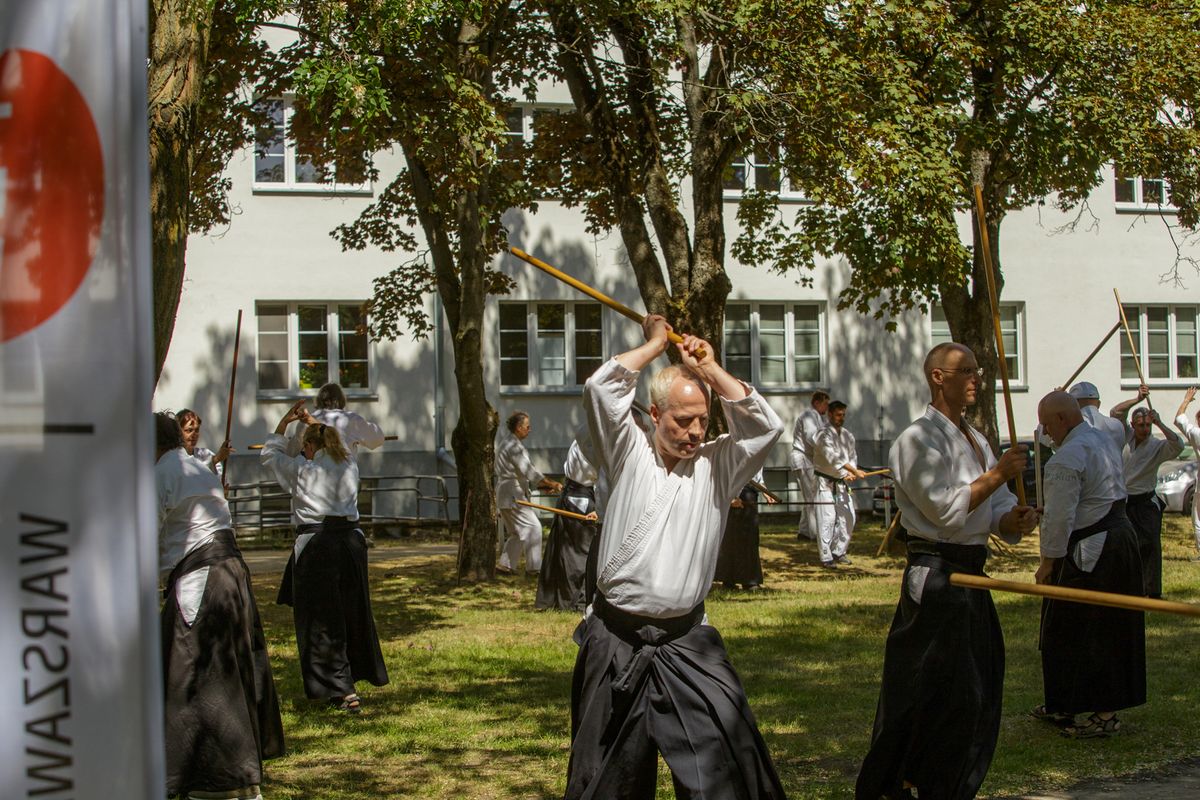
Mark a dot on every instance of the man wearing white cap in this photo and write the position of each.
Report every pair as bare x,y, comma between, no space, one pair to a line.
1088,397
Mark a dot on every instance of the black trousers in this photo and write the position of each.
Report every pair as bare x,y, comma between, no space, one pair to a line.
645,686
331,604
561,581
938,717
222,712
738,560
1145,514
1094,657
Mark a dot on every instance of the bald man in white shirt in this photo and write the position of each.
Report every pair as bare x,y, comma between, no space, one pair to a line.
652,676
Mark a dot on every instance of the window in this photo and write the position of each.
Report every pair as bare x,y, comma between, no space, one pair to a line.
278,166
544,345
521,125
1012,333
302,346
760,171
1166,339
775,344
1137,193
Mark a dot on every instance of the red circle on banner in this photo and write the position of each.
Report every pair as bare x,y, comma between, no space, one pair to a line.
51,190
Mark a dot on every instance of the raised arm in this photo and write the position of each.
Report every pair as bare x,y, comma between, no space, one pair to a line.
655,329
1121,410
1181,415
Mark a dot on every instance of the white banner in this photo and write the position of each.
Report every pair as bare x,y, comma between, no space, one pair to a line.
80,685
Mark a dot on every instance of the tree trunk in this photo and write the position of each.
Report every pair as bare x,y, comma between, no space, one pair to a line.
969,314
179,31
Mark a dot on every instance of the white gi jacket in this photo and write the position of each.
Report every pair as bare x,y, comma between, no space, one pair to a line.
1113,428
832,450
804,435
191,506
662,531
933,465
1141,461
514,471
354,430
1081,481
320,488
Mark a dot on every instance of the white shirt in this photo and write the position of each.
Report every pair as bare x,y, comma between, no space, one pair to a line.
1142,460
191,506
579,466
1081,481
808,425
1190,432
1113,428
514,471
681,512
354,430
933,465
205,457
320,488
832,450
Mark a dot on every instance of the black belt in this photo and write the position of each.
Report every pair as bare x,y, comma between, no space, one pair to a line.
646,634
967,557
829,478
1144,497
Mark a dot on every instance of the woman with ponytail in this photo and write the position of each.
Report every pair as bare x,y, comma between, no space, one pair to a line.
325,581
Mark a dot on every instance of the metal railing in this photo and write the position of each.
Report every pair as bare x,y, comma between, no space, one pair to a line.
263,510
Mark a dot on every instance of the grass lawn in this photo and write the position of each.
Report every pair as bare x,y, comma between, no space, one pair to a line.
478,704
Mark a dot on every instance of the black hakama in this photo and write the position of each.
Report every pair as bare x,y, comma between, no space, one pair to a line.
644,685
738,560
938,716
1094,657
222,712
1145,514
564,560
327,587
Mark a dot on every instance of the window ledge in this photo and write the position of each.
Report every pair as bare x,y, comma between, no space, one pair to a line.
788,389
1161,383
525,391
1144,208
788,198
292,395
313,191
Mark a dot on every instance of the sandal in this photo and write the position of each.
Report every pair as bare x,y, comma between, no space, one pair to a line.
1046,715
1095,727
350,704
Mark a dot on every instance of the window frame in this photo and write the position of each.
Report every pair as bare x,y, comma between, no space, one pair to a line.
332,333
789,332
289,185
1019,383
1139,205
785,192
571,384
1136,314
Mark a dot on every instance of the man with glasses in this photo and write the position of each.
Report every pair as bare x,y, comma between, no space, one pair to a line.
943,673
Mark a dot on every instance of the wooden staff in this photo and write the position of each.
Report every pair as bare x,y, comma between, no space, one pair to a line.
1137,360
1037,466
237,343
891,531
979,163
883,471
1111,599
765,492
1067,384
559,511
620,308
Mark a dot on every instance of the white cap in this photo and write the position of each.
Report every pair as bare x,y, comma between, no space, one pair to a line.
1084,391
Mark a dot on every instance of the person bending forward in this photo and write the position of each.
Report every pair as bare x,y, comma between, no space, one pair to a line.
652,676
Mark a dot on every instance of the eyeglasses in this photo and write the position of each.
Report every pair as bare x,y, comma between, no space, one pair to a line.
976,371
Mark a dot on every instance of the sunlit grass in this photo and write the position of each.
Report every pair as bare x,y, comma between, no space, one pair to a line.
478,704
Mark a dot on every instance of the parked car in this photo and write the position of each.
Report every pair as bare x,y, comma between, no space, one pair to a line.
1177,482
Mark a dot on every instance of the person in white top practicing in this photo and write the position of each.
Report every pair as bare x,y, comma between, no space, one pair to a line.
1192,434
564,565
1093,657
331,410
515,473
222,712
938,717
1088,397
1143,455
325,580
652,676
189,423
808,425
835,461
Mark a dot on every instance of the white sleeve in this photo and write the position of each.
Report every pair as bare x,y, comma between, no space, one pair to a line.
368,434
923,475
754,427
275,458
608,400
1062,486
